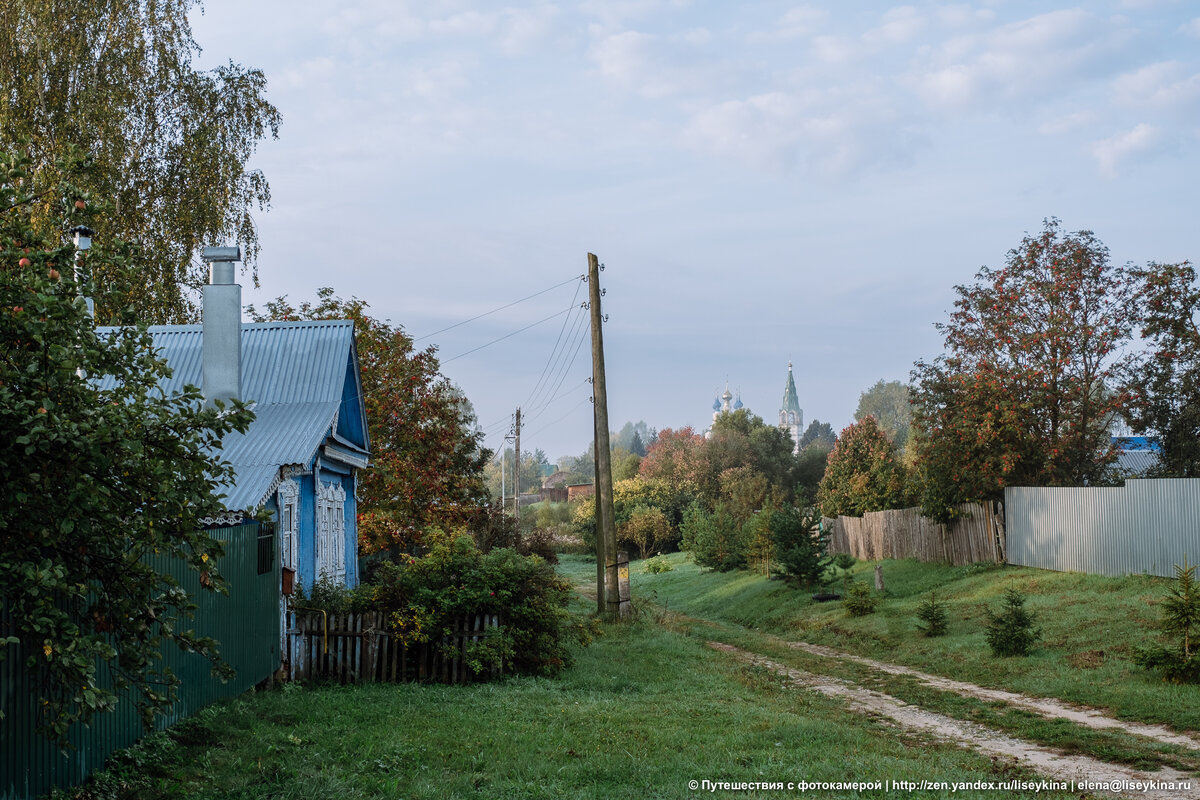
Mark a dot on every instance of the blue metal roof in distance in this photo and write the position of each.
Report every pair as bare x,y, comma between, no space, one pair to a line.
293,372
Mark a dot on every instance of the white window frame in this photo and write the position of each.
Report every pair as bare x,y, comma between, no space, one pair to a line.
331,531
289,524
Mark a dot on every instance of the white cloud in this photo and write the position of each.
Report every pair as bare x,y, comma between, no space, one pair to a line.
307,74
659,66
796,23
1049,54
898,26
1067,122
961,16
1192,27
615,14
1115,150
468,23
1164,85
525,28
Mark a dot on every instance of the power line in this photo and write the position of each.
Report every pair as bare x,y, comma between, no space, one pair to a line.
506,336
582,338
554,349
501,308
560,419
555,366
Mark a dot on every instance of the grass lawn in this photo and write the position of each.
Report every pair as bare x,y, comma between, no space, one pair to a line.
644,711
1090,625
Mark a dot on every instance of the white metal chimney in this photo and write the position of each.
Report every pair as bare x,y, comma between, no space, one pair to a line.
222,348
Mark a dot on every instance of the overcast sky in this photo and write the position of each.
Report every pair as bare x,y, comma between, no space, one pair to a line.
764,181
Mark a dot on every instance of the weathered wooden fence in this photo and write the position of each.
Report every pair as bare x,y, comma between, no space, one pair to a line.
977,534
354,648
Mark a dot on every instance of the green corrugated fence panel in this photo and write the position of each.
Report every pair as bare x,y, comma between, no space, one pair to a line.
245,622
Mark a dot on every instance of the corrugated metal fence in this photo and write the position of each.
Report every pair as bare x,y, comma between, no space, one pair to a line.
350,648
245,622
977,534
1144,527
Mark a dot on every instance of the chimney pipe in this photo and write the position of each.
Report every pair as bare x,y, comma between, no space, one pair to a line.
222,344
83,242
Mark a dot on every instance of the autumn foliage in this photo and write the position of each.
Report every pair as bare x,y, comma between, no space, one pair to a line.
426,455
1029,386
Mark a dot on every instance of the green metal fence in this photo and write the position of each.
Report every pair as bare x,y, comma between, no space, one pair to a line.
245,622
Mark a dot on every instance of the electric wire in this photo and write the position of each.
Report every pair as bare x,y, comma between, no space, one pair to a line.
553,350
575,355
501,308
507,336
537,397
560,419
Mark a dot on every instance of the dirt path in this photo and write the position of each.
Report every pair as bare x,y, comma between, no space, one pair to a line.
1043,760
1045,706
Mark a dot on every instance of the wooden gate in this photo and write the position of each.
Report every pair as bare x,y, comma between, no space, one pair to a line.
353,648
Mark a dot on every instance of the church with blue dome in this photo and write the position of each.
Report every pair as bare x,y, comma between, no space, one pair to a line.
791,416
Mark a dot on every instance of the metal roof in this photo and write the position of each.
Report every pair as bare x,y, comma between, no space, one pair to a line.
293,372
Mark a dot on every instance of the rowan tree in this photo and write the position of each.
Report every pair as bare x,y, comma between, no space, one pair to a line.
95,480
169,145
1164,383
426,450
1028,387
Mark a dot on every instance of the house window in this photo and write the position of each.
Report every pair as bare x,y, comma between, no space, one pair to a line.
266,547
331,531
289,501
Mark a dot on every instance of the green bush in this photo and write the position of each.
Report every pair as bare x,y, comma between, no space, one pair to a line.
1012,632
423,596
1180,660
801,547
932,612
716,540
859,601
657,565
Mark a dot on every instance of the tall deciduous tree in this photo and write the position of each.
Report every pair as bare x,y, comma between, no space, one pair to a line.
426,449
94,479
169,144
863,473
1027,389
818,433
676,457
887,402
1164,384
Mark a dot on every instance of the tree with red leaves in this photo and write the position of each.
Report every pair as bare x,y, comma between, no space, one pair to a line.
678,457
427,459
1028,389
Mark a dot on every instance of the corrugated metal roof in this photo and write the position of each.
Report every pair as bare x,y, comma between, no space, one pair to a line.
294,373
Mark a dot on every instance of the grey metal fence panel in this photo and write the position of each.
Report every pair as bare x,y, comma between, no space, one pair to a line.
1145,527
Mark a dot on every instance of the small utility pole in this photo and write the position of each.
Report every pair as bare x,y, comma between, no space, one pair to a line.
517,473
606,539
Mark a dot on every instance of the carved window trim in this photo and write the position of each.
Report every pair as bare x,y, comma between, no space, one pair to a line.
331,531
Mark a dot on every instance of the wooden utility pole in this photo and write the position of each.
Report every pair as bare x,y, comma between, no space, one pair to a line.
606,538
517,473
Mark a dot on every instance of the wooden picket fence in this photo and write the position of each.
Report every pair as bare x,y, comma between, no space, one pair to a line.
356,648
977,534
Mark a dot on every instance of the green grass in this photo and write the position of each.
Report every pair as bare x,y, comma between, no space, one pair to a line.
644,711
1090,626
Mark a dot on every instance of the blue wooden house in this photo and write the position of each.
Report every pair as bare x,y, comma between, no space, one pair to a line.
300,457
